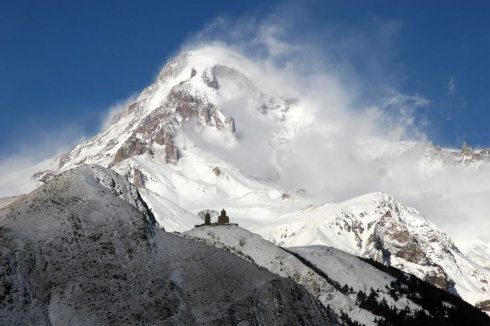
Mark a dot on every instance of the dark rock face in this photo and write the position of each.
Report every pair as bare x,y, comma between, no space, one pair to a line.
438,280
189,104
74,252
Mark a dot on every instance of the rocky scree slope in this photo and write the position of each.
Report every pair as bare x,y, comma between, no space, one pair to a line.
74,252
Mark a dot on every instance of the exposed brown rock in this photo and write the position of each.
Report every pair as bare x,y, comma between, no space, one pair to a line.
230,123
190,105
437,280
217,171
172,152
467,150
483,305
392,238
131,147
138,179
209,78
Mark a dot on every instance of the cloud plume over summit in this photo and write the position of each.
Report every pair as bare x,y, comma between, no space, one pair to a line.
357,133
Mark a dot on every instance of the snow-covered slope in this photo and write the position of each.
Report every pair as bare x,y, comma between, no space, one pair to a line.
377,226
477,251
74,252
339,280
265,254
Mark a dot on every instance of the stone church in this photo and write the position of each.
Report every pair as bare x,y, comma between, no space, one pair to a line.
222,219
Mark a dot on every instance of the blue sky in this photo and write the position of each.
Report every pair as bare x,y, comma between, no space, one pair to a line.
64,63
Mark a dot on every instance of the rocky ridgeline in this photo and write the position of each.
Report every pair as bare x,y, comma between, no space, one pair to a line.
467,156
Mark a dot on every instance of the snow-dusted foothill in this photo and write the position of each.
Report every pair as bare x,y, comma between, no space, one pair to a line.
74,252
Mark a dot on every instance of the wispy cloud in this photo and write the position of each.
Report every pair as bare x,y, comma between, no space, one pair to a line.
17,168
451,88
118,106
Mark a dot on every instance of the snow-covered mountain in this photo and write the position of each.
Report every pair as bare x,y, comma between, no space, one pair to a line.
180,142
155,142
376,226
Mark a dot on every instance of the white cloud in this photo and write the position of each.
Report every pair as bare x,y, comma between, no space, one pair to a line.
346,124
451,88
17,169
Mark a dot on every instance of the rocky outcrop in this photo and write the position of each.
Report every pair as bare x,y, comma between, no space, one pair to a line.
43,176
217,171
393,238
467,150
138,179
190,103
209,78
131,147
74,252
466,157
484,305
